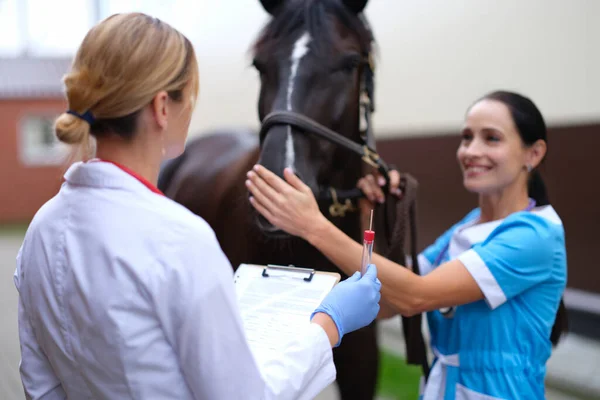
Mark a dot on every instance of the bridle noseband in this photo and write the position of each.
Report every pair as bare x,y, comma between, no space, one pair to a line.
308,125
366,150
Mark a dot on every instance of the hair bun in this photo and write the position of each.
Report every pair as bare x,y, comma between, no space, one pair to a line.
71,129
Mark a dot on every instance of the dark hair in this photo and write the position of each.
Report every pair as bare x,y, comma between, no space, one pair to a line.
314,16
531,127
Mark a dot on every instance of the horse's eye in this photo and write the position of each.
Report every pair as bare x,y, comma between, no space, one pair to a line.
347,63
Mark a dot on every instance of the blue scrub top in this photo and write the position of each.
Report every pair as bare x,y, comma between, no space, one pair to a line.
498,347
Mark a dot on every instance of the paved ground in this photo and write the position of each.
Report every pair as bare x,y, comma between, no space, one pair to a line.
331,394
10,383
576,362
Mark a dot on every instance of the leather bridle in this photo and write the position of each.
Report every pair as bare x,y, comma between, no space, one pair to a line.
342,199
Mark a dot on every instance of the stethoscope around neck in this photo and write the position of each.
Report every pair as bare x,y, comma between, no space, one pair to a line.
448,312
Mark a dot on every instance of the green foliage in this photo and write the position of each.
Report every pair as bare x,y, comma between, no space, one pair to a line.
398,380
13,228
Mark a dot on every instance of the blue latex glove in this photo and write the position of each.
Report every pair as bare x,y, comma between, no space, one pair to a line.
353,303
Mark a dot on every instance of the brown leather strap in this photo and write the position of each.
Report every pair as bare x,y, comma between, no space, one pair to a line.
310,126
401,214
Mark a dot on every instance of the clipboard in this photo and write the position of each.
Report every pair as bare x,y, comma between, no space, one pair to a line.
276,301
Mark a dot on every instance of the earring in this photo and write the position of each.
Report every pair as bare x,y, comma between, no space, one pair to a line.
529,167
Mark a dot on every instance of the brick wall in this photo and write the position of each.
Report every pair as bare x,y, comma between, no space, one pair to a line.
24,187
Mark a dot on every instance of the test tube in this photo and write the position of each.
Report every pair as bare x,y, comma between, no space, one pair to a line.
369,236
368,239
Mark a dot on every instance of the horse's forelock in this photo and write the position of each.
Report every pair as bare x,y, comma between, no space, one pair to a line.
314,17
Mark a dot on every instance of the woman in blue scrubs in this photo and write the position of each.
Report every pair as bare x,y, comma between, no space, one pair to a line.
491,284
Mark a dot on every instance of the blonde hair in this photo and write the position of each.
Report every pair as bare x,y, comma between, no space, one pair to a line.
122,63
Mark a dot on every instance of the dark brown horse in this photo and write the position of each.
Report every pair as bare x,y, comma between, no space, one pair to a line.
314,62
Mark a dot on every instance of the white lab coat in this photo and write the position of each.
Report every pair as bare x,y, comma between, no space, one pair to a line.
125,294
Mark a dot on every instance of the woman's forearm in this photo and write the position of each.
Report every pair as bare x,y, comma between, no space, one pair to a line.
294,209
450,284
386,310
400,288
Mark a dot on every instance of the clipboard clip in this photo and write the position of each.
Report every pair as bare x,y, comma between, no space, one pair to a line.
290,267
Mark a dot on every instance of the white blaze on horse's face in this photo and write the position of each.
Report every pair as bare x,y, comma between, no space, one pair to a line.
300,49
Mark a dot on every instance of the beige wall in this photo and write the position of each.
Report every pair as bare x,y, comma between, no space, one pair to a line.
436,56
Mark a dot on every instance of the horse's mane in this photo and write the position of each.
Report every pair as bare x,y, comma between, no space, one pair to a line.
314,16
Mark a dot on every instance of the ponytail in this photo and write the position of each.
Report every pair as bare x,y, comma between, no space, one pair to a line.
537,191
561,323
536,188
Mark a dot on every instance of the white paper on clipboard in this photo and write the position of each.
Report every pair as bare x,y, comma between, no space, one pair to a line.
274,307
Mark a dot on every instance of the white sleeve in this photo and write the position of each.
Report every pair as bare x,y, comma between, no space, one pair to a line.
304,368
38,379
198,309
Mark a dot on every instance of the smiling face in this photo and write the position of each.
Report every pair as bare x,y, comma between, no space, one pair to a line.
492,155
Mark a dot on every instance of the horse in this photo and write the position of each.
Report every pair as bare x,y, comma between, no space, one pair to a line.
315,64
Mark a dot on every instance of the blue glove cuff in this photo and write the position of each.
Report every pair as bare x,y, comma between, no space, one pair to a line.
333,315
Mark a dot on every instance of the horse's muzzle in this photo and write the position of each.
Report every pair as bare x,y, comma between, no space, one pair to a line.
267,228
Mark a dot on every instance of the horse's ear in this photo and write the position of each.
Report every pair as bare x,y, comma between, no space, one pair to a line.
271,6
356,6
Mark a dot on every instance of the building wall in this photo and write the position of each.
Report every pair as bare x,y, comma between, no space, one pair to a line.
25,187
434,58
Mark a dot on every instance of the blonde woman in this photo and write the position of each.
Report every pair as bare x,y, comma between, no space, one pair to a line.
122,292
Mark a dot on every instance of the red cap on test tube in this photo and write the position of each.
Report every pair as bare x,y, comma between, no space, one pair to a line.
369,236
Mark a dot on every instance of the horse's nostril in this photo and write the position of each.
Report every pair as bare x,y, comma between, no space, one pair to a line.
264,224
269,229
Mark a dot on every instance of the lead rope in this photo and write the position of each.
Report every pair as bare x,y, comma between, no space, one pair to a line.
405,213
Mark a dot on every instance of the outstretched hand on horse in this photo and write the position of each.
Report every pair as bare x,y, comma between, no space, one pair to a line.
290,205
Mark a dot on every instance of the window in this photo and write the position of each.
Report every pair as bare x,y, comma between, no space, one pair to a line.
38,144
